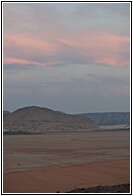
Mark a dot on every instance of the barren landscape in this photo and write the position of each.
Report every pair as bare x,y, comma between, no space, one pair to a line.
66,97
62,161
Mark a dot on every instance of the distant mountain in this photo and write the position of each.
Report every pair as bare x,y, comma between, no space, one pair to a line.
38,120
5,113
109,118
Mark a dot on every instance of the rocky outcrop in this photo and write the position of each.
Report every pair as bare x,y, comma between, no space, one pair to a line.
122,188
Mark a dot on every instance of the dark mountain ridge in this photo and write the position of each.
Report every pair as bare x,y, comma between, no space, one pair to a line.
108,118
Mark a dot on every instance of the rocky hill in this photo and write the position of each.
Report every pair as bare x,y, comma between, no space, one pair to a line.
37,120
109,118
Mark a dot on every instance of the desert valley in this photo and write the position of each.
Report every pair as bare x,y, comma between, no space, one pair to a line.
66,95
46,151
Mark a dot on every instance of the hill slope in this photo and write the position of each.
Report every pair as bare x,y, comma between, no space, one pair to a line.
36,119
109,118
5,113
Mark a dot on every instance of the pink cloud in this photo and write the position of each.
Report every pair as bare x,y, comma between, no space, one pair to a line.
26,62
29,47
97,48
106,49
100,48
115,62
31,42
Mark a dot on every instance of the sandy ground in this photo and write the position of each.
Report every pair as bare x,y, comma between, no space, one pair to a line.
63,161
113,127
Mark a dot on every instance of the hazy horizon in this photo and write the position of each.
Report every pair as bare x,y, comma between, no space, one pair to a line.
69,57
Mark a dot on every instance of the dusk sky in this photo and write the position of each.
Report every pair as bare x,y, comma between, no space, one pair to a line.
71,57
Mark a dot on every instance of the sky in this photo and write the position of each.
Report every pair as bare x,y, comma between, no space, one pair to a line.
69,57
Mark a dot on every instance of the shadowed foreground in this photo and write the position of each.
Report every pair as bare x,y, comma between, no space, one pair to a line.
121,188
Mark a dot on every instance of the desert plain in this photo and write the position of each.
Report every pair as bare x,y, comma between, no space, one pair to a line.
61,161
